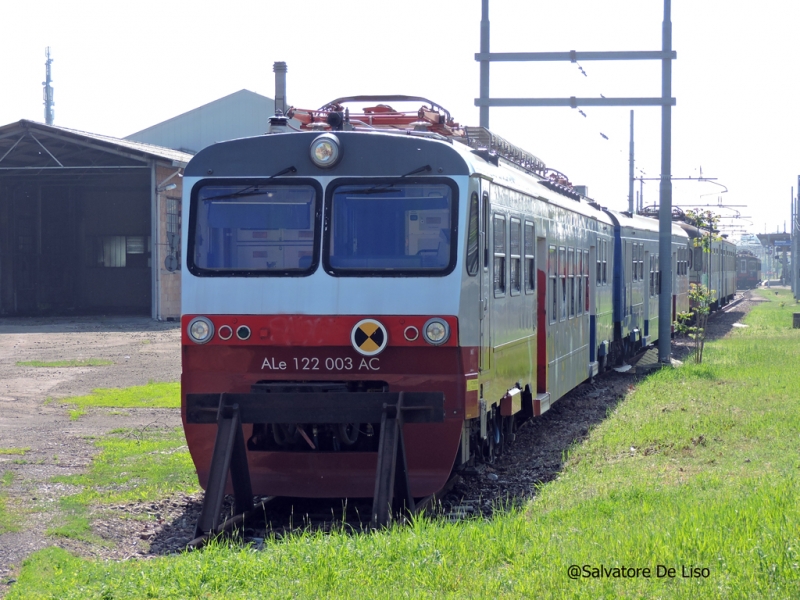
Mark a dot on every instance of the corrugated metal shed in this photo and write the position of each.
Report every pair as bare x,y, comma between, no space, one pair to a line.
22,143
241,114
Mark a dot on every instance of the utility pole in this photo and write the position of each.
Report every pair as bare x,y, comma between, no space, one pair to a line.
631,207
665,199
484,83
49,111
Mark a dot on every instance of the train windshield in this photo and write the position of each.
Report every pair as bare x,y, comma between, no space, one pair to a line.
391,228
253,229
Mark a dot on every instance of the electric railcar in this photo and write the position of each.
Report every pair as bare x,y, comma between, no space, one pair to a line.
391,252
748,272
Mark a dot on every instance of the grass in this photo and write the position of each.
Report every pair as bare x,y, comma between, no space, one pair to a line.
75,362
152,395
697,470
133,465
18,451
8,520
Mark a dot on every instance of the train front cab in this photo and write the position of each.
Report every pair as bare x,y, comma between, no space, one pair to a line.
330,296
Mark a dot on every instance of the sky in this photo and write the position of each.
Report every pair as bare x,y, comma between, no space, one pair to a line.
120,67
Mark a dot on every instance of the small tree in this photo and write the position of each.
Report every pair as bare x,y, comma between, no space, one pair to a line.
707,222
693,322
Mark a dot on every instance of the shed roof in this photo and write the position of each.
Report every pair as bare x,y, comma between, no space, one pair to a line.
240,114
30,147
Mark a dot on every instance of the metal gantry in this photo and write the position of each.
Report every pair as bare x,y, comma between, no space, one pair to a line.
666,55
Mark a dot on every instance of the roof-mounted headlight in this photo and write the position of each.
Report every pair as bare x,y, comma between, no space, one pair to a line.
200,329
326,150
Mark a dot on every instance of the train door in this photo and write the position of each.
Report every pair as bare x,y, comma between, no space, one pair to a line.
544,312
647,294
626,278
484,359
591,306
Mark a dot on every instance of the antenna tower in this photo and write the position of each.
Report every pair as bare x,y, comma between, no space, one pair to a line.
49,111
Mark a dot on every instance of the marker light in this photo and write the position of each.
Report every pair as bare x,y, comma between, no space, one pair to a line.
325,150
437,331
201,330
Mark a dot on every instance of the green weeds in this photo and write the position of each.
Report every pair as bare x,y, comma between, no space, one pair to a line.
152,395
9,451
75,362
132,466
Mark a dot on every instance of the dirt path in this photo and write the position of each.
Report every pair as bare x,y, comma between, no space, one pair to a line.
142,350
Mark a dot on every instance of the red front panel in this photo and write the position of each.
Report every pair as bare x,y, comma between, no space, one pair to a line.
319,348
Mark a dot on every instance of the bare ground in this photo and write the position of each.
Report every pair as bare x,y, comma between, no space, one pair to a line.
144,350
31,416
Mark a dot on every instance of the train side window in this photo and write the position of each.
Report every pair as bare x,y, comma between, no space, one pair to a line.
486,231
530,258
571,280
515,254
652,278
605,262
586,279
634,255
473,237
598,276
499,267
552,270
641,261
658,275
579,283
562,274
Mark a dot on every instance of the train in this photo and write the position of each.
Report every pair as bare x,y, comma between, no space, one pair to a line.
354,267
748,272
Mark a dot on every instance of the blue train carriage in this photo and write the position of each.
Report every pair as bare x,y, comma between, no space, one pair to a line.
637,281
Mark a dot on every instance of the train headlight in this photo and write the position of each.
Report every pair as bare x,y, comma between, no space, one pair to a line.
326,150
200,330
437,331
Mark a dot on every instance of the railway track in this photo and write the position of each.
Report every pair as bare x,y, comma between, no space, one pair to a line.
276,517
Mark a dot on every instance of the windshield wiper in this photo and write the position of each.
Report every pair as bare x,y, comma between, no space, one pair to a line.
379,189
291,169
251,190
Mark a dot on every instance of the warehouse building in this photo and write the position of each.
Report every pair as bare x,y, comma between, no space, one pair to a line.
90,224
